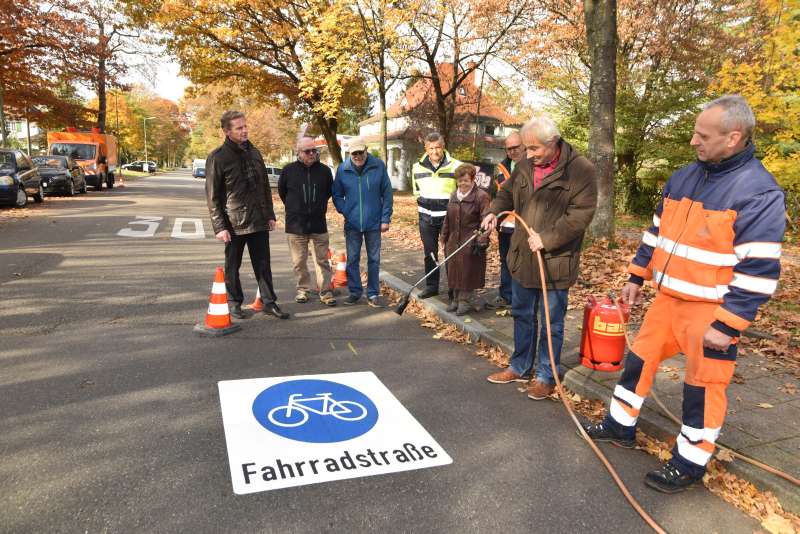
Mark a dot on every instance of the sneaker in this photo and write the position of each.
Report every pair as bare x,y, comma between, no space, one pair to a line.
427,293
505,376
601,433
539,390
351,299
452,306
326,297
669,479
301,297
237,312
376,302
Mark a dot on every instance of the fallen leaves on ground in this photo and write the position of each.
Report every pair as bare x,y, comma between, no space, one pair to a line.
763,506
603,272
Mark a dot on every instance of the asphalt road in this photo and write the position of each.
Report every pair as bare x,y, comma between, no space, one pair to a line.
111,421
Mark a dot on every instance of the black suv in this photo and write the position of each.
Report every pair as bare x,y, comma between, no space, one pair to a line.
19,178
60,174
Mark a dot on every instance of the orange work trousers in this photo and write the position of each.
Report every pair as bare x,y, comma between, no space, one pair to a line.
673,326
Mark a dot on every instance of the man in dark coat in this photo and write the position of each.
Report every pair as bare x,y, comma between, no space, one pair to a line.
555,192
240,203
515,154
305,188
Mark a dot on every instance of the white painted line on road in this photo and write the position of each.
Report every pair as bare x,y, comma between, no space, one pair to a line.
179,233
298,430
150,223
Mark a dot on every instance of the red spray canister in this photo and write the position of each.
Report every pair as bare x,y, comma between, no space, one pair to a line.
603,340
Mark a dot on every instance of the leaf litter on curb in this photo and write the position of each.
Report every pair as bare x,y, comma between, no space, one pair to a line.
742,494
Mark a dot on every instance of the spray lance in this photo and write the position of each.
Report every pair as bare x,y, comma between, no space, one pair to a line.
401,306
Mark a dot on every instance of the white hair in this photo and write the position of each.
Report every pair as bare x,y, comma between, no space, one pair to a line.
542,127
300,141
736,114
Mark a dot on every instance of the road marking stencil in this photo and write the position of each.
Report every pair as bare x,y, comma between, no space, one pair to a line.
182,227
150,227
292,431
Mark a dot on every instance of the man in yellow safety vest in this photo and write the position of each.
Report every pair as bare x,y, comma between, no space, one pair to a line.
433,181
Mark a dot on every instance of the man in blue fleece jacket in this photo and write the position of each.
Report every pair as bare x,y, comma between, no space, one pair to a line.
362,193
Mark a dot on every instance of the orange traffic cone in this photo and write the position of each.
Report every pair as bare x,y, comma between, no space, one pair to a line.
340,278
258,304
218,317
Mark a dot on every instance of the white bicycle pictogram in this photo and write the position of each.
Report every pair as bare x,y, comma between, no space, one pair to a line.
296,411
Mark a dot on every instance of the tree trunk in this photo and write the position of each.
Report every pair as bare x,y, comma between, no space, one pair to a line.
601,33
101,95
101,81
2,113
328,128
384,122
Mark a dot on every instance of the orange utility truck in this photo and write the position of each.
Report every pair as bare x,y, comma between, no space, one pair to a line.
95,152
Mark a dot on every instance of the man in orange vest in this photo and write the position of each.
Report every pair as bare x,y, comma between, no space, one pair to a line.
713,253
515,153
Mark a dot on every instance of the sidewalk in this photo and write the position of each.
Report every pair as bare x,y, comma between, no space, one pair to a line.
763,419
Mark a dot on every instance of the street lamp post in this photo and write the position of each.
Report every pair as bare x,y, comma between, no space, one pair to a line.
144,126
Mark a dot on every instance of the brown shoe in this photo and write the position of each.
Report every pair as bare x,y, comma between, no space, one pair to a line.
504,377
539,390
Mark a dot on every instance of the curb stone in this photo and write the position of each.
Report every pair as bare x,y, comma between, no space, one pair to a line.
582,380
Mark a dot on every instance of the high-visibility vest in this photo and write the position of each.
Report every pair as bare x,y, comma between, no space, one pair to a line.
508,222
433,188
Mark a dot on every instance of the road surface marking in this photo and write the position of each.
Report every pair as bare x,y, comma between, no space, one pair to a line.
297,430
352,348
178,232
150,223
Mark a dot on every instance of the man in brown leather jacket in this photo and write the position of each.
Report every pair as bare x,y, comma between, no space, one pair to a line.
240,203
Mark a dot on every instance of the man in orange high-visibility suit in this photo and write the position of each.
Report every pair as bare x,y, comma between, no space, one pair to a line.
713,253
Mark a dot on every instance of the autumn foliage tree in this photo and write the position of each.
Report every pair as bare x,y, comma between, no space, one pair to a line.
36,46
271,133
464,34
297,56
667,54
770,81
107,42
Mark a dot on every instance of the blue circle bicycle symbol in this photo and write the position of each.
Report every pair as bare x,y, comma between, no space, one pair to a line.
315,411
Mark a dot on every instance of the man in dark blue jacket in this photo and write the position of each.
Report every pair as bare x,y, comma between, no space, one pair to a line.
713,253
362,193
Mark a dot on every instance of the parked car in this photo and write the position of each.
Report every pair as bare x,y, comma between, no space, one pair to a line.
60,174
199,168
273,173
141,166
19,178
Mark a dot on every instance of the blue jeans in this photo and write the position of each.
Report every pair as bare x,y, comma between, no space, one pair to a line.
504,241
372,240
527,309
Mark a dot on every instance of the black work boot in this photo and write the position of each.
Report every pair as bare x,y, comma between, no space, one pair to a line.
669,479
600,432
428,292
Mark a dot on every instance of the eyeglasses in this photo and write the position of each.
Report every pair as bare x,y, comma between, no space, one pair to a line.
358,153
310,151
515,147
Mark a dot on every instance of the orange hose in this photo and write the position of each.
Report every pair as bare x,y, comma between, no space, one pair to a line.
674,419
568,403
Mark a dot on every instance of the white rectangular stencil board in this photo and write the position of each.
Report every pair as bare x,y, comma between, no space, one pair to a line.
297,430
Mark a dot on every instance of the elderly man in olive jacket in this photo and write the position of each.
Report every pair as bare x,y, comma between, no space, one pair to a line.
555,192
240,203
